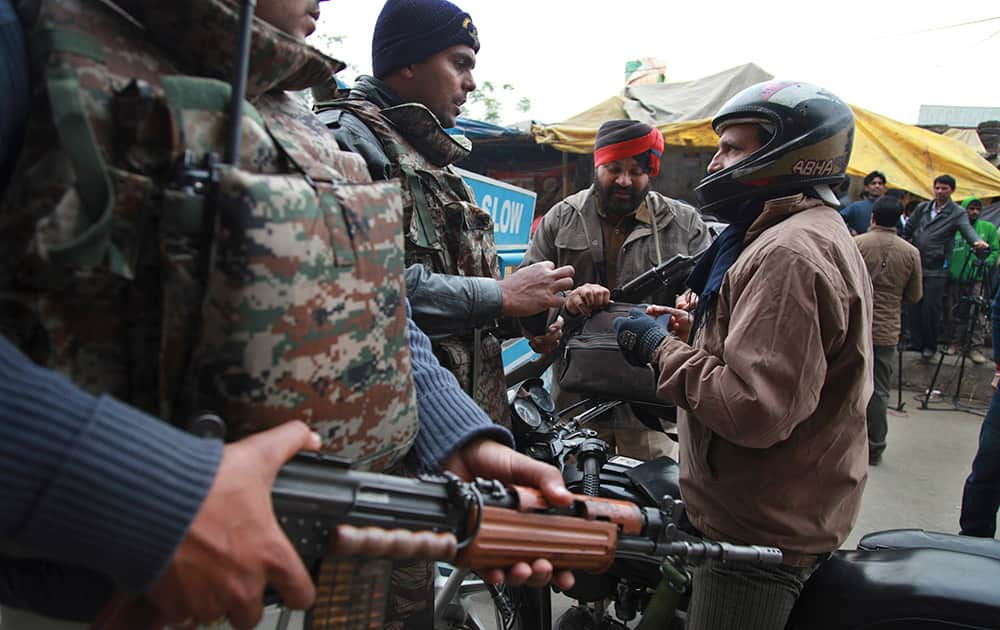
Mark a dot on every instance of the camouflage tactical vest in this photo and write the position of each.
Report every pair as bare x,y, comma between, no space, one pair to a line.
267,292
445,231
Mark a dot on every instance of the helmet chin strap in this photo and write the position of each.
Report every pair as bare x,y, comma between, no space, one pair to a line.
824,192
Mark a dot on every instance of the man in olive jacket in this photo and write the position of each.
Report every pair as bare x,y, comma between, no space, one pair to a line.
894,266
612,232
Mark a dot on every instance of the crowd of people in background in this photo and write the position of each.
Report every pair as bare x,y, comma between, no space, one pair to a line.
958,253
940,260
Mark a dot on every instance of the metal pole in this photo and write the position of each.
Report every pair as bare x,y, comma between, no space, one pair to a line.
239,83
899,364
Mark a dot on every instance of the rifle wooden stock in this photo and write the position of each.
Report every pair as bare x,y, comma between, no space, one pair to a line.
506,537
324,508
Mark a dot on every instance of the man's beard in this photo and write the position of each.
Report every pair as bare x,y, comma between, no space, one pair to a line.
619,206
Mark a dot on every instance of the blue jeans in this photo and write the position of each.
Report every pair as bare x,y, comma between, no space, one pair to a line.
981,496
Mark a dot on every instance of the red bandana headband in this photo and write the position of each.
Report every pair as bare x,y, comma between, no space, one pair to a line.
652,142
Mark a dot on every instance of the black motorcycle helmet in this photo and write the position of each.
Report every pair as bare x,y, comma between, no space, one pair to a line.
810,144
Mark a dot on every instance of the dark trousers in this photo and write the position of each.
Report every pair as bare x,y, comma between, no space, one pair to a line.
981,496
926,315
878,404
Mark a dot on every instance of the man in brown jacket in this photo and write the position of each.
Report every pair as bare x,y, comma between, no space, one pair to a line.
612,232
777,372
894,267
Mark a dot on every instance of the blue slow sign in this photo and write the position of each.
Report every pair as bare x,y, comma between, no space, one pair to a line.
512,209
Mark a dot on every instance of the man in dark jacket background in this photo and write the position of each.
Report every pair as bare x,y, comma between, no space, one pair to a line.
932,229
858,215
969,274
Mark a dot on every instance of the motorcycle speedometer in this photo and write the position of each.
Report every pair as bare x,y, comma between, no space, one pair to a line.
542,398
527,412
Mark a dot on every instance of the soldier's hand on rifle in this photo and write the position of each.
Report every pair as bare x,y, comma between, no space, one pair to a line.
234,545
587,298
535,288
544,344
492,460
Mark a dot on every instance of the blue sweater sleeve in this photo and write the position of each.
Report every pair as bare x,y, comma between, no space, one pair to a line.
448,417
92,482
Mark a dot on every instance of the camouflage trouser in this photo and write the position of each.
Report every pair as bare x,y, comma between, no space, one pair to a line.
411,596
411,585
457,355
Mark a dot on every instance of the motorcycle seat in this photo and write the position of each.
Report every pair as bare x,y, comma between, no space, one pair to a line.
900,589
922,539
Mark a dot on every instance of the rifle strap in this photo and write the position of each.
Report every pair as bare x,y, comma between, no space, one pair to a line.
656,237
351,594
426,232
91,244
663,604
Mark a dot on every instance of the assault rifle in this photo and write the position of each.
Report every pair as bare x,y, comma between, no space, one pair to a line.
324,507
669,274
347,524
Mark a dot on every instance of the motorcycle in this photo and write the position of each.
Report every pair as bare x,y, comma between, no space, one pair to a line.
898,579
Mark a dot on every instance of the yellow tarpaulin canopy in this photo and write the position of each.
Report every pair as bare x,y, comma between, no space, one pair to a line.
910,157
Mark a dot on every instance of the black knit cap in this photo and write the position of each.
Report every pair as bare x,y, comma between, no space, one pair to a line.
410,31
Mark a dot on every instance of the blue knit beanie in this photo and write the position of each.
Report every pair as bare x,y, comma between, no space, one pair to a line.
410,31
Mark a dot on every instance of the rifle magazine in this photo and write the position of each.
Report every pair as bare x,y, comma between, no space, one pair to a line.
351,594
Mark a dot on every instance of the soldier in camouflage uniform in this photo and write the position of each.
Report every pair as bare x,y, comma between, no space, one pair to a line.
423,55
281,299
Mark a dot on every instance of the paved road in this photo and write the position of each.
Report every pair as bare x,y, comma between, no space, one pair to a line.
919,482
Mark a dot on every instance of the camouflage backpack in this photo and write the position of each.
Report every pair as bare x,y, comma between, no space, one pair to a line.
446,231
266,292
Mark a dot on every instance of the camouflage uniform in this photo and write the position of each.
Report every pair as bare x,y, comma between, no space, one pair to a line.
445,230
282,299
